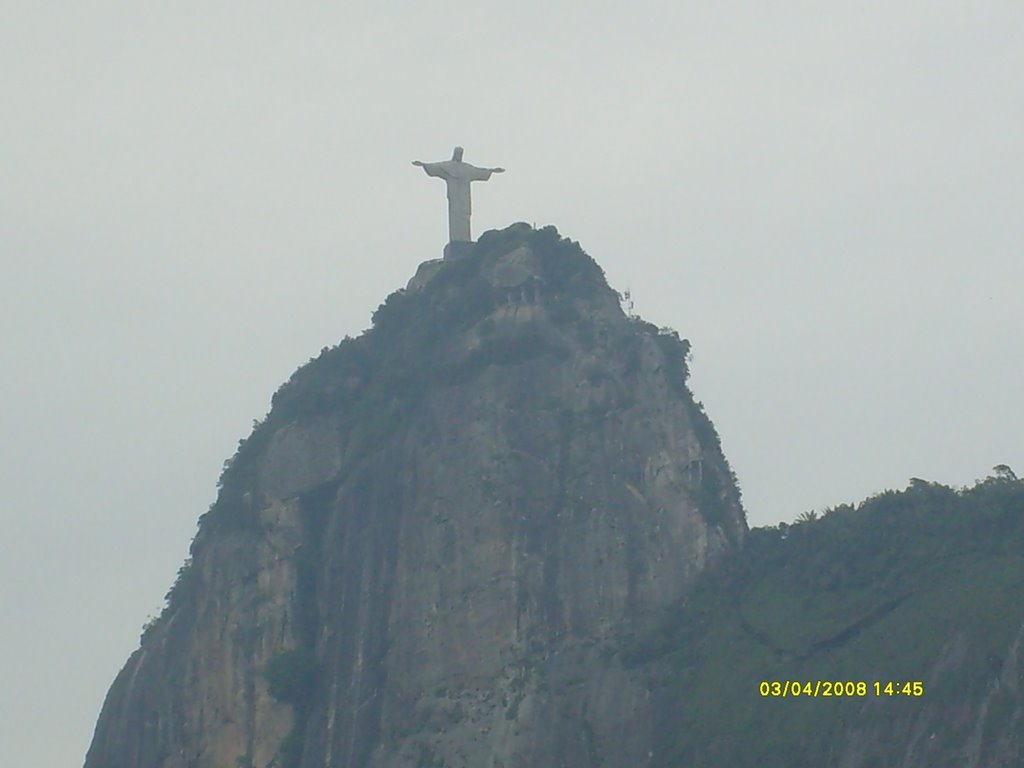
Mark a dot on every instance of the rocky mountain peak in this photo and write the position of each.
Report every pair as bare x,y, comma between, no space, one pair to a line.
431,549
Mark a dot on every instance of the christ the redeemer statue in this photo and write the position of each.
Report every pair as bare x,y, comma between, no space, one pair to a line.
457,175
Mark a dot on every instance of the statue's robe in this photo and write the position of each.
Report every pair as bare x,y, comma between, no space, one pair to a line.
457,176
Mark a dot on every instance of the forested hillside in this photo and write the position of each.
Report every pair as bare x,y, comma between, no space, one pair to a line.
917,594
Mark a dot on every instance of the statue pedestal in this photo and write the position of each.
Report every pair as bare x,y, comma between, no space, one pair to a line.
457,249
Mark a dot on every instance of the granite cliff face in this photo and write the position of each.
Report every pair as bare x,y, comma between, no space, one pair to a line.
431,551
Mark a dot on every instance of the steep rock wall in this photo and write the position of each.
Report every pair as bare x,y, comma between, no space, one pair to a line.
455,519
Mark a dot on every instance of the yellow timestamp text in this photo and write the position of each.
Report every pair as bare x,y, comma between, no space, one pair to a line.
820,689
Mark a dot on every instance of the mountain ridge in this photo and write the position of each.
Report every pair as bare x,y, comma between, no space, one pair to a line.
921,587
497,529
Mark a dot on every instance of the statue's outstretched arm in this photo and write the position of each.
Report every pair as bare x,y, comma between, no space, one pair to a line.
433,169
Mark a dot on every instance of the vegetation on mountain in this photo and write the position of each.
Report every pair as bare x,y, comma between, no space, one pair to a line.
921,585
291,678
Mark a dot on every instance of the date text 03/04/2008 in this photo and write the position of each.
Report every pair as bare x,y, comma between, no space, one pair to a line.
815,689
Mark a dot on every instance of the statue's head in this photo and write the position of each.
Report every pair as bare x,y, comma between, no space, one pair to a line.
457,154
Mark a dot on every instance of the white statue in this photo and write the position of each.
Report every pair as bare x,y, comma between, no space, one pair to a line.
457,175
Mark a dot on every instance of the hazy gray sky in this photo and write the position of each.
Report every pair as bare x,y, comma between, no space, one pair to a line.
195,197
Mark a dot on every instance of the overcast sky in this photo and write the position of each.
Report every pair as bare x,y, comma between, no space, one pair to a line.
196,197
